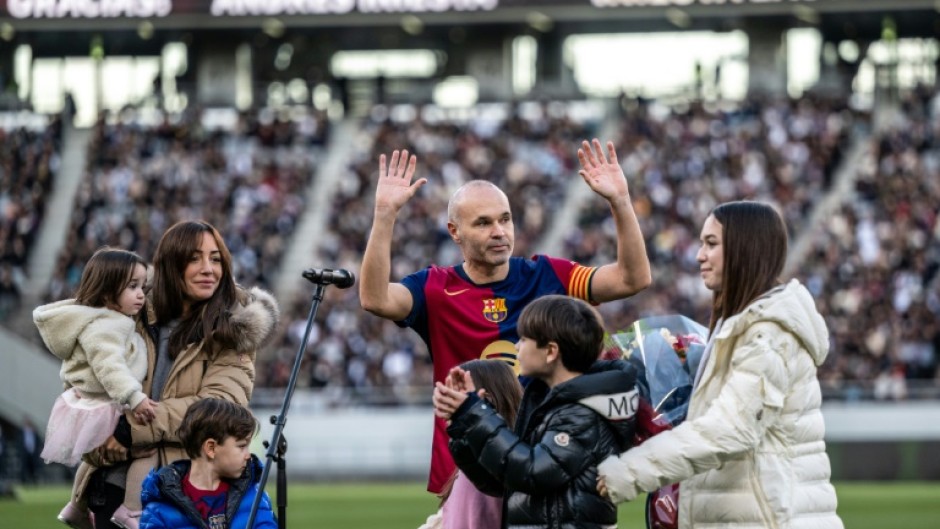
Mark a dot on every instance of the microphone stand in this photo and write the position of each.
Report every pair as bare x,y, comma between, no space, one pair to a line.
277,447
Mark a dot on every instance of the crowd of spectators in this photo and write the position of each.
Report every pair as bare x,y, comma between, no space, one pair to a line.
29,160
248,179
872,265
873,268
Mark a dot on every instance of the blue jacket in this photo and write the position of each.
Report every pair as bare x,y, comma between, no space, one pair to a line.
167,507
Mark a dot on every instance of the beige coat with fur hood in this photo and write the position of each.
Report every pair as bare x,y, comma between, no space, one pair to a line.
102,354
750,453
198,373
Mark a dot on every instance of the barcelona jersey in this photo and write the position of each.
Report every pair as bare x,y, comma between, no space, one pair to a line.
460,321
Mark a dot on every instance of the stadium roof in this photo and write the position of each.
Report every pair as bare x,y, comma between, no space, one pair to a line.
79,15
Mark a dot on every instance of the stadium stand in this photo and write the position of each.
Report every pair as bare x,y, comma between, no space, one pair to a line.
680,162
246,180
29,161
873,265
251,173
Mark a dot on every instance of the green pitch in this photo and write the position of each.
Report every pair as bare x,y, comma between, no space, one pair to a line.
406,505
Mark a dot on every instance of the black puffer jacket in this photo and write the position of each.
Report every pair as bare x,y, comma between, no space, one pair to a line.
547,466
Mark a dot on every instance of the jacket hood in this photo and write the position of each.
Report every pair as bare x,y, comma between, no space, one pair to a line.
605,377
254,318
791,307
608,388
167,482
60,324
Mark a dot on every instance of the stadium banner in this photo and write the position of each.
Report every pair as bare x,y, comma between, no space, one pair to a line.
104,9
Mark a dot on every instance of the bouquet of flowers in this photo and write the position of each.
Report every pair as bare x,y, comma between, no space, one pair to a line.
667,351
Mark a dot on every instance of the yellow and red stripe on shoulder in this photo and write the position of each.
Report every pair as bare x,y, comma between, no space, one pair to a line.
579,282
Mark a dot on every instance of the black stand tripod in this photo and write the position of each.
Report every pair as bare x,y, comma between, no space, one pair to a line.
277,446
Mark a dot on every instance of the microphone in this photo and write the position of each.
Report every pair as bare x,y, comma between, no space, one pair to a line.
326,276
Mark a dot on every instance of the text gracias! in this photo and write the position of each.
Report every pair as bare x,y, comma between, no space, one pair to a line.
161,8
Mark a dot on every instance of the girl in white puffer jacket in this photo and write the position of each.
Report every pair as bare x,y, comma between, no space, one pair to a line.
751,452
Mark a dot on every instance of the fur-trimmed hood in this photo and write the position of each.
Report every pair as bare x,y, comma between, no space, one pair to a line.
62,323
254,318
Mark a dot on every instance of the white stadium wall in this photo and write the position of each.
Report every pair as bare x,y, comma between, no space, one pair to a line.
866,440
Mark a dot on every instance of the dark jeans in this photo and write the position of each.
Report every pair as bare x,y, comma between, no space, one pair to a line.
103,499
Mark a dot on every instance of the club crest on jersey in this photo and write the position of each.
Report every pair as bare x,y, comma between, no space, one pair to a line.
494,310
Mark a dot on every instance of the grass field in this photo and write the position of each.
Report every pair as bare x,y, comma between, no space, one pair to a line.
405,506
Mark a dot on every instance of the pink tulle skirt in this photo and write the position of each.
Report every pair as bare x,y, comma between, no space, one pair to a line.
77,425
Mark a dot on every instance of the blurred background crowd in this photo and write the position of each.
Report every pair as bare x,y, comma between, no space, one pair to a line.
872,263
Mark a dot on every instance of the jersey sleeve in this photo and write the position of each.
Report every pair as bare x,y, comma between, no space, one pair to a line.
419,306
574,276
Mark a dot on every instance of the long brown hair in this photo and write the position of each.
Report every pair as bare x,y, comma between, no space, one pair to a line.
754,251
206,318
106,274
503,391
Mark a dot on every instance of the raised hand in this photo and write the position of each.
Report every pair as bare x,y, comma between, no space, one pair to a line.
446,400
460,380
395,186
602,172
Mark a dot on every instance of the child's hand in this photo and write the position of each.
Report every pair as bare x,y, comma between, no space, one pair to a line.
145,412
446,400
602,487
460,380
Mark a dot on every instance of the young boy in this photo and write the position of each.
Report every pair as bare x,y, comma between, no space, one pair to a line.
217,486
574,413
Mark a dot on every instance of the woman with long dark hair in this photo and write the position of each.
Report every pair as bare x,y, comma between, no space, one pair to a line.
204,332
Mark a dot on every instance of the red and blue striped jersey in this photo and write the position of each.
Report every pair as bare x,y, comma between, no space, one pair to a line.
462,321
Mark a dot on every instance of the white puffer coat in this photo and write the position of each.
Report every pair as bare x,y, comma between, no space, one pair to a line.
751,452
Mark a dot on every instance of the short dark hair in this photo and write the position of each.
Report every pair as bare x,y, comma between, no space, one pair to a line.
214,419
571,323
